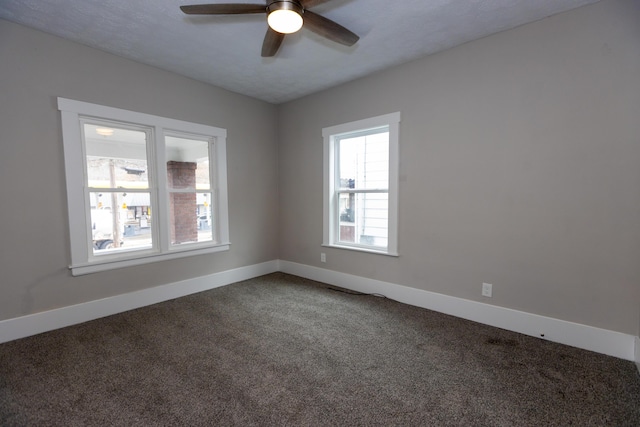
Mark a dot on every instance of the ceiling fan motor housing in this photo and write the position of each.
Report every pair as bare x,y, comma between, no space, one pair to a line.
292,5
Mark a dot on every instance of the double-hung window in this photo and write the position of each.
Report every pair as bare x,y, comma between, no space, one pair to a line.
141,188
361,185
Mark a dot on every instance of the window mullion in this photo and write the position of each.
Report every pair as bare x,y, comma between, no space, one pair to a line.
215,195
160,187
213,189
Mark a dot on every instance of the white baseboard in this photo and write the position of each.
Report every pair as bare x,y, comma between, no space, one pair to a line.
612,343
33,324
574,334
637,353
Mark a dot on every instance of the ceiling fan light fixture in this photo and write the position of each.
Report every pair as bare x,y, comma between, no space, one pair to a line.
284,16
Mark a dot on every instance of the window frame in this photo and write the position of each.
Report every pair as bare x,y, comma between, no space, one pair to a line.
331,191
83,261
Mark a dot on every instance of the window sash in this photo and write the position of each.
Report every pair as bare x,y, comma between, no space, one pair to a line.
365,221
342,146
355,190
150,188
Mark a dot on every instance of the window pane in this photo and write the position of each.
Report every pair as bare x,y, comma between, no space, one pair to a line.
191,218
188,174
205,217
364,161
364,219
120,221
116,157
190,154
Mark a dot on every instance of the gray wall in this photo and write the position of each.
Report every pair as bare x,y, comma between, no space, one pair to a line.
34,70
520,166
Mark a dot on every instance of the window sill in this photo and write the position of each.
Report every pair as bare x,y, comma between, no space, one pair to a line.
361,249
98,265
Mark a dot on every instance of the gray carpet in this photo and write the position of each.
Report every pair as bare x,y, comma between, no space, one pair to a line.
284,351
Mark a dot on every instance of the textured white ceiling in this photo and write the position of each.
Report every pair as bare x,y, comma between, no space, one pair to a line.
225,50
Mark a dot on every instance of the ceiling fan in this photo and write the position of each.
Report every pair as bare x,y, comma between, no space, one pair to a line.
284,17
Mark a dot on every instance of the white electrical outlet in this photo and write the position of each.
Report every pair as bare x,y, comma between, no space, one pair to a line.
487,290
323,257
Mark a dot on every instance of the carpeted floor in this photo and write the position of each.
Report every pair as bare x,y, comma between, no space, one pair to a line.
284,351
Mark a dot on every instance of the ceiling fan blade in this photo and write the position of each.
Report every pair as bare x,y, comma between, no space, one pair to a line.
272,42
223,9
329,29
310,3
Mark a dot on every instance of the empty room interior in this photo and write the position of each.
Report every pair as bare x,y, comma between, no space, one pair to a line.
509,202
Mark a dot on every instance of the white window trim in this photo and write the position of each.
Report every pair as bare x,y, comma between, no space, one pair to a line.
82,259
329,135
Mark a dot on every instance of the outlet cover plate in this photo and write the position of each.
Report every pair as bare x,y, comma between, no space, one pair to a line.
487,290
